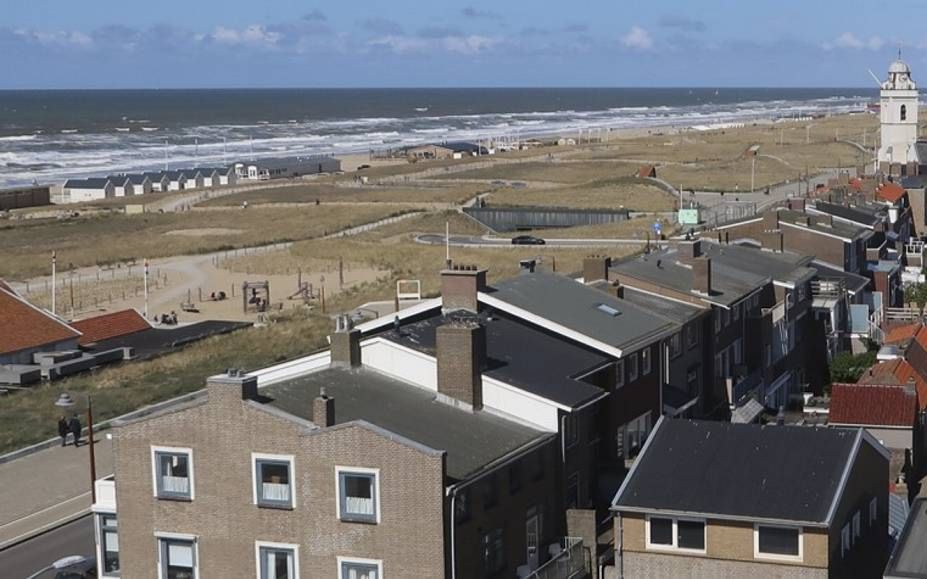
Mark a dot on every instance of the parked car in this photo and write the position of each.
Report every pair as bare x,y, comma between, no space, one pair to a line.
84,570
527,240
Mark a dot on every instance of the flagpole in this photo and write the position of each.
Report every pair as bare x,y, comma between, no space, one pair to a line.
54,290
146,288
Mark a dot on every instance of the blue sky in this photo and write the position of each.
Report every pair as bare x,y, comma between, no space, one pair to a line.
267,43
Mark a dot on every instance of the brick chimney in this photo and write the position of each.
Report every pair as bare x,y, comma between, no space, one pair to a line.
234,385
689,249
461,353
771,220
796,204
595,268
701,275
323,410
619,292
459,287
346,350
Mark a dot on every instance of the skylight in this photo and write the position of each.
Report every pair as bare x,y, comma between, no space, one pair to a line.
607,309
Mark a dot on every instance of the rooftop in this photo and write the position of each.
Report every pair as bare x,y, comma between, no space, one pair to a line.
867,215
521,355
900,371
25,326
785,267
677,311
94,183
111,325
781,473
853,282
873,405
909,559
472,440
153,342
838,228
618,323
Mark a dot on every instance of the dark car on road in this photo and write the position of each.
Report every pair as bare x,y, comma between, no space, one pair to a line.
527,240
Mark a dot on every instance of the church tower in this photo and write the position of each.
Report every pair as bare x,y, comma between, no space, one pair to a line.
899,102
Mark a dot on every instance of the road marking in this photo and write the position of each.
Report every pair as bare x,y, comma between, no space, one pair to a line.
46,527
46,509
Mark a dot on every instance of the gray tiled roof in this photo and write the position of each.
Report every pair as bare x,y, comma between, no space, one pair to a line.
94,183
909,559
785,267
471,439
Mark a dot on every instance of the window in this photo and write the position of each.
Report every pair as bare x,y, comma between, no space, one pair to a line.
632,367
109,545
277,561
359,569
619,373
490,495
573,490
636,433
177,557
172,469
358,495
845,540
857,530
671,533
739,351
904,112
692,335
273,480
462,506
492,552
717,321
646,361
771,542
873,511
675,345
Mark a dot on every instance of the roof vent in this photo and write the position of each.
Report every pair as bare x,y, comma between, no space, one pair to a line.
609,310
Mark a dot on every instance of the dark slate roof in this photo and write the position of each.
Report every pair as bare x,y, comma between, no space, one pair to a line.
521,355
118,180
573,305
864,214
677,311
464,147
137,179
94,183
838,228
661,267
855,283
909,559
719,469
472,440
155,176
914,181
206,171
174,175
785,267
154,342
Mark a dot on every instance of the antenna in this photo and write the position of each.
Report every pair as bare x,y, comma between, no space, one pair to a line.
875,78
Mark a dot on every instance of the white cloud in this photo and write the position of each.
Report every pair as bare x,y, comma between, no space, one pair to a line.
453,43
63,38
637,38
848,40
400,44
253,35
472,44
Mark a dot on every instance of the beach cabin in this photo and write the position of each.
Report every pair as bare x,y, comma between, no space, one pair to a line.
159,181
210,176
194,179
287,167
176,180
227,175
82,190
464,149
121,185
141,184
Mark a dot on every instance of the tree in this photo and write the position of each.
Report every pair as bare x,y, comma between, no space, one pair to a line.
847,367
916,293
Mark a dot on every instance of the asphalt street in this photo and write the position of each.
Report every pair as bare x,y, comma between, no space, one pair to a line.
26,558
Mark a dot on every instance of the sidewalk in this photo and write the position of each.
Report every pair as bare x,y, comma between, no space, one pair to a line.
48,488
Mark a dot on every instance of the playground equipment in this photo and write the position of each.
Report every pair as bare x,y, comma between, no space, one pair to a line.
255,296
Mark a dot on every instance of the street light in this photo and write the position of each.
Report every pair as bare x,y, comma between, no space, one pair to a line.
60,564
65,401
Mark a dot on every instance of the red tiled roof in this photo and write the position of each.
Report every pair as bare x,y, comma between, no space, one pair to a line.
6,286
873,404
856,184
898,371
24,326
114,325
902,333
890,192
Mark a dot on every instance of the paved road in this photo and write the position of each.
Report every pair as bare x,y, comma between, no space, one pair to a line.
26,558
489,241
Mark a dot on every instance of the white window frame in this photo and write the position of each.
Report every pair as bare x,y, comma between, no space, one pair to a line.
691,336
634,371
289,458
619,374
159,536
101,529
857,526
359,470
675,345
646,362
845,541
258,545
154,470
873,511
757,554
354,560
652,547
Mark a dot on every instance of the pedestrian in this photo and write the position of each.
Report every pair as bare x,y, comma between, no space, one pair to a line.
63,430
75,428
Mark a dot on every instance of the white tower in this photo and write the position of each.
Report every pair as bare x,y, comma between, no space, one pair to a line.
899,117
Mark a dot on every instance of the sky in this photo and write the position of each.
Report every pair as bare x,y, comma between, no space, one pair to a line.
405,43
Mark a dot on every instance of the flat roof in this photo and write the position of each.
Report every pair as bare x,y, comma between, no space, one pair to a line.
519,354
909,559
471,440
838,228
853,282
785,267
583,309
156,341
866,214
679,312
786,473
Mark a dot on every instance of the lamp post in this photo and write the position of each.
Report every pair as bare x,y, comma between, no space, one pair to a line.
60,564
65,401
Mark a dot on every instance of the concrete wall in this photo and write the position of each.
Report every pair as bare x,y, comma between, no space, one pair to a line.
513,219
25,356
25,197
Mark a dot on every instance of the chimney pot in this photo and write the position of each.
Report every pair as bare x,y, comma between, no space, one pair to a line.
460,288
701,275
595,268
323,410
690,249
461,353
345,347
233,385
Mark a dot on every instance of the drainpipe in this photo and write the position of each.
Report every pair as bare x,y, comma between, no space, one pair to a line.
619,546
453,527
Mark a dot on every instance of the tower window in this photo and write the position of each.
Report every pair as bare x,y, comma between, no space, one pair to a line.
904,112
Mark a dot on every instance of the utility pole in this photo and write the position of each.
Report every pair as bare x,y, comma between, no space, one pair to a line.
54,288
753,174
146,288
447,243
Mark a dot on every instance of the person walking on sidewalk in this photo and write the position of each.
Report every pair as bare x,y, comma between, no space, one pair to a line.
75,428
63,430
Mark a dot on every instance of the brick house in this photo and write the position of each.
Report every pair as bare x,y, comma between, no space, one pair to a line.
721,500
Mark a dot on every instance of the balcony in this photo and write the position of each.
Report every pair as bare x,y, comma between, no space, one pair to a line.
569,560
106,495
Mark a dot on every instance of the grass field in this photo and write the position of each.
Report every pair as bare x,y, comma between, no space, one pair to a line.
324,193
26,247
608,194
550,171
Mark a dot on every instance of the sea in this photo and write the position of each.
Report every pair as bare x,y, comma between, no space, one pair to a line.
49,136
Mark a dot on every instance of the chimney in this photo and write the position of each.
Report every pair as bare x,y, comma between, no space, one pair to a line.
461,353
233,385
690,249
323,409
771,220
595,268
527,265
796,204
701,275
346,350
460,285
619,292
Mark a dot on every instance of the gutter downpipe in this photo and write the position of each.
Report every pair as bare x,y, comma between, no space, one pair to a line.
453,526
619,547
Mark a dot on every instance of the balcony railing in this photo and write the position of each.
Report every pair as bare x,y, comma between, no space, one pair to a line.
106,494
571,562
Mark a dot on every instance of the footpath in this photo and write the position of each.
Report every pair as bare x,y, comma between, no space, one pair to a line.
48,488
